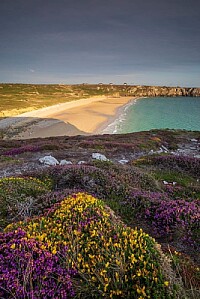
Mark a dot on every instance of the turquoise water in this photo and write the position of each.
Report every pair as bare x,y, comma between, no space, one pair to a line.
158,113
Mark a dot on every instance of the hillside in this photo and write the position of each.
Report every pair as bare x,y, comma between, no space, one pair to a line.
92,217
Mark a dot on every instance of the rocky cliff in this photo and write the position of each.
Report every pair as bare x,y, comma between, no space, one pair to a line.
161,91
148,91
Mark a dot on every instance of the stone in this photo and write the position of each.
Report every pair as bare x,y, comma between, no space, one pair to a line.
165,183
160,151
194,140
192,148
49,160
123,161
151,152
65,162
81,162
99,157
164,148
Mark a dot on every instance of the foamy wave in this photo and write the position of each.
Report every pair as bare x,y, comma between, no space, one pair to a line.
115,126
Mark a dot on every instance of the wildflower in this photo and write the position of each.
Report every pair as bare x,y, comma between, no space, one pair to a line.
166,283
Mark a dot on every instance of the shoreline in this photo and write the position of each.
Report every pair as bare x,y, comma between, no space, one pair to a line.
81,117
109,126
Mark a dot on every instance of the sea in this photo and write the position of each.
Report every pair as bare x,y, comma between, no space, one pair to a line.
158,113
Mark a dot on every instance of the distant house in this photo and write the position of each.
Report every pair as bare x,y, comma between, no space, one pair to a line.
100,84
125,83
111,84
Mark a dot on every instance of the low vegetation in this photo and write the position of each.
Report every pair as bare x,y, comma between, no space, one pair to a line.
102,229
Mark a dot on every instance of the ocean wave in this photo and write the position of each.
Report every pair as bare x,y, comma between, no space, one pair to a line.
115,126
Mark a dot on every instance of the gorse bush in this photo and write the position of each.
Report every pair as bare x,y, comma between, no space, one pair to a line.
19,186
44,202
17,195
112,260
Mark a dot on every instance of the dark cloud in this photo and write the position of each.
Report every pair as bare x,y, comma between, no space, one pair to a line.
100,39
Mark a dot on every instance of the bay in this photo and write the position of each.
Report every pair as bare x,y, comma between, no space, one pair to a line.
160,113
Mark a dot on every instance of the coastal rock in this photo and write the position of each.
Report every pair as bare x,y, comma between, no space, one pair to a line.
65,162
49,160
99,157
162,91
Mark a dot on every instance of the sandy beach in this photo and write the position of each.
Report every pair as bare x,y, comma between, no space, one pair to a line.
80,117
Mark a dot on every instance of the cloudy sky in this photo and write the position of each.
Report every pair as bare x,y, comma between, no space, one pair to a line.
75,41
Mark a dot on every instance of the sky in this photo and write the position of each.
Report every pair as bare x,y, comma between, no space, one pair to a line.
145,42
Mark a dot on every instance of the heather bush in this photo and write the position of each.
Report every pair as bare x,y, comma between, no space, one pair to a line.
105,181
28,271
50,146
180,163
113,261
22,149
178,217
167,217
177,192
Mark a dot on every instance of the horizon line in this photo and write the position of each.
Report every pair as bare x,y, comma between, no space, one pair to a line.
99,83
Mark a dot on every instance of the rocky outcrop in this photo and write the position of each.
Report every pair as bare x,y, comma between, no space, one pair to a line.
149,91
196,92
161,91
